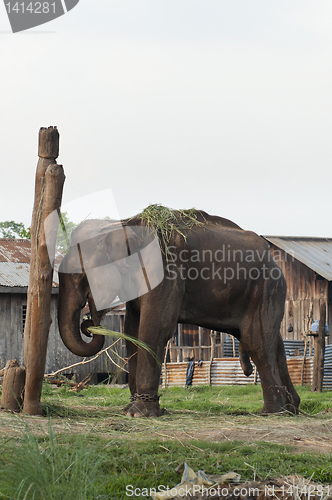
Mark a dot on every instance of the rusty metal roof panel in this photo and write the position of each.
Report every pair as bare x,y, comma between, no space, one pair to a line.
228,371
14,274
15,250
15,263
315,253
17,274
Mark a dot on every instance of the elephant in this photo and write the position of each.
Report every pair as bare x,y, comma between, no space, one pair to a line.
212,274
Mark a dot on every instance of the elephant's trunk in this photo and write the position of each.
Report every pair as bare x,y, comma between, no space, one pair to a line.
72,299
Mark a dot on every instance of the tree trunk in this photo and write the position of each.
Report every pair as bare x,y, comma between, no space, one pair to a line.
13,386
48,193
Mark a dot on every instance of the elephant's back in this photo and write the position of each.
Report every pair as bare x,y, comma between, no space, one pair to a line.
216,220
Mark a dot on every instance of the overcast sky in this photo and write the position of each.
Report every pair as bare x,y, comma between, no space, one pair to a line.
219,105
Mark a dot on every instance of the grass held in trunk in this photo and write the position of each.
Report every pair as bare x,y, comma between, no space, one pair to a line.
100,330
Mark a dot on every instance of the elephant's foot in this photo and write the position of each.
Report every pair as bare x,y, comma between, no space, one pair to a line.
143,405
277,399
126,408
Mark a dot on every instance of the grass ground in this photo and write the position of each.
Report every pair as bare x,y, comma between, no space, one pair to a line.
86,449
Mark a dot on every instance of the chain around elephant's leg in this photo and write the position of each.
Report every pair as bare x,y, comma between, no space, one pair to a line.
144,405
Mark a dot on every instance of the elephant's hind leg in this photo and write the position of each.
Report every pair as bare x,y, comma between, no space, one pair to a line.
278,391
274,393
293,399
262,347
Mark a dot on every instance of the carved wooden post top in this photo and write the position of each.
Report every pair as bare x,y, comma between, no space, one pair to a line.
48,146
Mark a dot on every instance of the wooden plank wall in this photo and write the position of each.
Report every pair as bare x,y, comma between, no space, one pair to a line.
190,341
58,356
11,327
303,287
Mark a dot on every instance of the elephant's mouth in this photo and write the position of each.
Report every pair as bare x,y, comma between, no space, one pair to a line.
85,325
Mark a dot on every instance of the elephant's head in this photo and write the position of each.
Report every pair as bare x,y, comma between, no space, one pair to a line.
106,259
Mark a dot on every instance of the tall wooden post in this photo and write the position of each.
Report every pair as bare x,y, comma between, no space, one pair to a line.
200,342
213,337
48,194
319,351
180,342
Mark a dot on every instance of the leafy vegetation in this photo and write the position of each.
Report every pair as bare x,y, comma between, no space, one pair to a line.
64,232
166,222
12,229
87,450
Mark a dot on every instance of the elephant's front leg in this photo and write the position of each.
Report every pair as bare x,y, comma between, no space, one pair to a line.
131,326
155,329
145,400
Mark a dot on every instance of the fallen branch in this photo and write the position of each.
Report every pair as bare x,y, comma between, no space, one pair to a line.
86,361
76,386
124,360
98,330
81,385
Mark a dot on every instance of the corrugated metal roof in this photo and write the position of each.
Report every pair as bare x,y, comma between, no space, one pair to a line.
228,371
15,250
316,253
14,274
15,263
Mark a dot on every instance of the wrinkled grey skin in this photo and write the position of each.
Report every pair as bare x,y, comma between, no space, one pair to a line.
250,308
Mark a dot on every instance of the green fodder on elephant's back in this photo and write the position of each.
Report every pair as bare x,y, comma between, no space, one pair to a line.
166,222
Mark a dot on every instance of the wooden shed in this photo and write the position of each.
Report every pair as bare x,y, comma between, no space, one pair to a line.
307,266
14,279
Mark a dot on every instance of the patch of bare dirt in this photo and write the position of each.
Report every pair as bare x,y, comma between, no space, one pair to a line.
303,434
